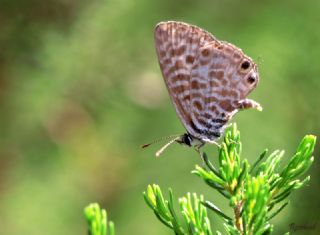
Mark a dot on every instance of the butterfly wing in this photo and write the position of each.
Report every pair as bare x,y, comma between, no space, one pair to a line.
177,46
220,80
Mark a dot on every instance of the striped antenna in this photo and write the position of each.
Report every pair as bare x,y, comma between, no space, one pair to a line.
159,140
160,151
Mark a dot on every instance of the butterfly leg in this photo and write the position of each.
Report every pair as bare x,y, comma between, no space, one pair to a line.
201,156
249,104
197,148
216,143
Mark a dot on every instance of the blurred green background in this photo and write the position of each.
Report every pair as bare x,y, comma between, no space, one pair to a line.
81,90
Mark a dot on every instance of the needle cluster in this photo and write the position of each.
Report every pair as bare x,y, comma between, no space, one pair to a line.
256,193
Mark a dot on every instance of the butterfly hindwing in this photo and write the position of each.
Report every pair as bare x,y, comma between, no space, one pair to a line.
218,85
177,46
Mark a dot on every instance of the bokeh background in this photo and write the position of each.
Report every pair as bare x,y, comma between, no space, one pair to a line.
81,90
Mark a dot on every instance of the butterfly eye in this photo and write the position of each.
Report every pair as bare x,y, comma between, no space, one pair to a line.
245,65
251,79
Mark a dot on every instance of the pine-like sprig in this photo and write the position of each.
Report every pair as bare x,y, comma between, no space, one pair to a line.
257,193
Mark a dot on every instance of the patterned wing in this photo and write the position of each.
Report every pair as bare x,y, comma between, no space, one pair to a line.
177,47
220,80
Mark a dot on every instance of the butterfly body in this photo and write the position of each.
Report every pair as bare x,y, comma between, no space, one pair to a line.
208,80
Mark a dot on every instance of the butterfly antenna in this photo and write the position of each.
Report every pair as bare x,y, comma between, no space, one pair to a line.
160,151
159,140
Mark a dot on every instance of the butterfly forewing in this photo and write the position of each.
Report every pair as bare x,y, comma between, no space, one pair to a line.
177,46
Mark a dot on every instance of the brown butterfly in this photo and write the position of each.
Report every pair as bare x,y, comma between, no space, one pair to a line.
208,80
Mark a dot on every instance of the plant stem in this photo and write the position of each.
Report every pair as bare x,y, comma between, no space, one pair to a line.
237,215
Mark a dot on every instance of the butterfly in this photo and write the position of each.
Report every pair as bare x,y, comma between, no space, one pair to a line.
208,80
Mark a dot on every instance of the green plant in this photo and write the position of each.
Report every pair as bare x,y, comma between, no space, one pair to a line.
98,221
193,212
256,193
